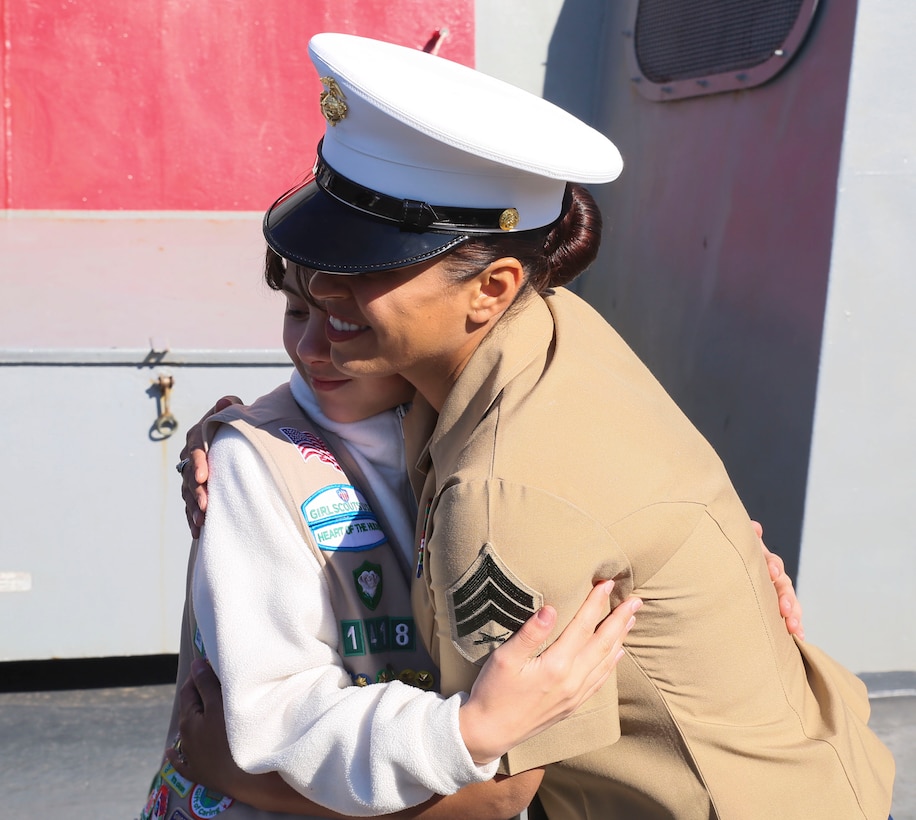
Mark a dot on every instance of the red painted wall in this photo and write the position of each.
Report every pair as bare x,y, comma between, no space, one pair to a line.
179,104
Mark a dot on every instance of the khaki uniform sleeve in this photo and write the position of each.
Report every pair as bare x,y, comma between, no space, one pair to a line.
497,552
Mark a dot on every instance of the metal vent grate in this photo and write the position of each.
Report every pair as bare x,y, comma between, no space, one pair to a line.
695,40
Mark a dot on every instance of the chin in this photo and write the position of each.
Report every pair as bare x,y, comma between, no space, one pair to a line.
335,411
361,367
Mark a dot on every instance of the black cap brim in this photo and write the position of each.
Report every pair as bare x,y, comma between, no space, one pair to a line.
312,228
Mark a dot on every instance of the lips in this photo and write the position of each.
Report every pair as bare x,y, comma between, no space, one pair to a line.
327,385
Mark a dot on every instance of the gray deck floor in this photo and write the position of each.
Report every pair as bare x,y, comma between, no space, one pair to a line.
92,753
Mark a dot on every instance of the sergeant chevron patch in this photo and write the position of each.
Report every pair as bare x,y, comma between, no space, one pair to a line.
487,605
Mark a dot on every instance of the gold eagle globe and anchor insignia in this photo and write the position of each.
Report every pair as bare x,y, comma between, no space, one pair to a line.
332,101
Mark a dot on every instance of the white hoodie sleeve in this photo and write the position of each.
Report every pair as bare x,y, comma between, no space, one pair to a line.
265,616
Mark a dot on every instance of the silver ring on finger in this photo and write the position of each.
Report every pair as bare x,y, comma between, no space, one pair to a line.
181,465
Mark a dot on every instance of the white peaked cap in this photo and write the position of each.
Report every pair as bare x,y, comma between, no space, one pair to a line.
410,130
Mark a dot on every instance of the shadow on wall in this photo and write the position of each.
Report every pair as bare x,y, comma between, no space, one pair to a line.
718,235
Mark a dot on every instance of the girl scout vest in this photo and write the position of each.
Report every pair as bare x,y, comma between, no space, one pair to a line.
345,528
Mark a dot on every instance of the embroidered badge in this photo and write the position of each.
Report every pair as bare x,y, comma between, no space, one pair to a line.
310,446
180,785
340,518
178,814
368,579
155,789
487,605
161,804
206,803
360,679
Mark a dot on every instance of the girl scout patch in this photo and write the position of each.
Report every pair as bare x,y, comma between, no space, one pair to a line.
180,785
206,804
340,518
487,605
368,579
157,804
157,801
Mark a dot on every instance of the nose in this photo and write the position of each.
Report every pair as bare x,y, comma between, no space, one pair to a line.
313,346
326,286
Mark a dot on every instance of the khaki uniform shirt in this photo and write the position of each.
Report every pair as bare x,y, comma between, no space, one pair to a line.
558,459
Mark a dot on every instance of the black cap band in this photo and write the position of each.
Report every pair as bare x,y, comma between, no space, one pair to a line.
408,214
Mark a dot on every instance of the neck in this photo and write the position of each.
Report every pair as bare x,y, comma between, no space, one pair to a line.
434,380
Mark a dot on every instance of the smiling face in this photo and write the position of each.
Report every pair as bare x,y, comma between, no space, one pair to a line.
420,321
340,396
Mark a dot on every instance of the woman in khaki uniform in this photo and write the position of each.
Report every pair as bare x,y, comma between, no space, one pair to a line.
442,222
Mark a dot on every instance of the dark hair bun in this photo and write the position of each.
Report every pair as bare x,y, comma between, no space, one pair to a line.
572,244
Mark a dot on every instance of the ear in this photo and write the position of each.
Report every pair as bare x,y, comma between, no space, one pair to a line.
496,287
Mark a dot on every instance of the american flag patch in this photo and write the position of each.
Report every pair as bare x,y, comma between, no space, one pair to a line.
310,446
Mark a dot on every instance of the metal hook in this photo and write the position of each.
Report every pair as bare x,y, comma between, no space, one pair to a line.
166,423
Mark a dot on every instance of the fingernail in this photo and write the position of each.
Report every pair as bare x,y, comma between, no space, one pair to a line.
608,586
544,616
631,623
636,604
